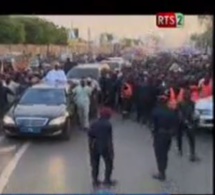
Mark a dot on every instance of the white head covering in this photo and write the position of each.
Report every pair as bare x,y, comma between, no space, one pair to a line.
89,79
56,63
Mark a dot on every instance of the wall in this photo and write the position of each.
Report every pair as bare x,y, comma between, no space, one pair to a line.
54,49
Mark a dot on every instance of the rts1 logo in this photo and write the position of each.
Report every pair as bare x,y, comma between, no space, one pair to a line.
170,20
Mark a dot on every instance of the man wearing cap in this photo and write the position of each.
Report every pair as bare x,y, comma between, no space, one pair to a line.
101,145
164,120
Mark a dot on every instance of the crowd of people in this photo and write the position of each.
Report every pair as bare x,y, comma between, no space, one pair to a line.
160,91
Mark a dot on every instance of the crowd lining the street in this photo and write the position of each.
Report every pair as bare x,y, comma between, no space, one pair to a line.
170,79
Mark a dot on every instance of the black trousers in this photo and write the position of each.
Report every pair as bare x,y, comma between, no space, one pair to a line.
94,107
3,110
139,109
95,157
126,105
143,111
190,137
162,143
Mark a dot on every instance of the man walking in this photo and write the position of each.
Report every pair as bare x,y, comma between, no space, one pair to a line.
82,95
187,125
101,145
164,120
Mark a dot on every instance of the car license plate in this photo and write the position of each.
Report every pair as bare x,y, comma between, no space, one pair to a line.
30,130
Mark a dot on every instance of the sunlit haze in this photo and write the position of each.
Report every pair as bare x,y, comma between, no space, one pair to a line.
126,26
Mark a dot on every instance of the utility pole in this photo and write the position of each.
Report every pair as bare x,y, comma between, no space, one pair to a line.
70,41
89,39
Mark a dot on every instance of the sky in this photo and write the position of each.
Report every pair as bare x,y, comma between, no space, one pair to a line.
126,26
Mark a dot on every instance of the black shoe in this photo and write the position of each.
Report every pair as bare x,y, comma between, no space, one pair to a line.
110,183
194,158
96,183
159,176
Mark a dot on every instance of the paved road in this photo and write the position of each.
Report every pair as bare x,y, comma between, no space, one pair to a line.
53,166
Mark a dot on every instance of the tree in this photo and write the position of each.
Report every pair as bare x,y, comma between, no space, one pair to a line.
205,39
206,20
109,37
11,31
106,37
33,30
127,42
30,30
61,36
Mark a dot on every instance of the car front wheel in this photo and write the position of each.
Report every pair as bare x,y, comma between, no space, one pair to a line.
67,131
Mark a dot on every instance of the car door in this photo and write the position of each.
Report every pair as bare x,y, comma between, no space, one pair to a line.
70,102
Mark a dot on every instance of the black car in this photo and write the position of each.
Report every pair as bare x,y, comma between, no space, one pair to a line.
41,111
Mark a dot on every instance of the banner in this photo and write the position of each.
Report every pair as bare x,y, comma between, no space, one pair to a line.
73,35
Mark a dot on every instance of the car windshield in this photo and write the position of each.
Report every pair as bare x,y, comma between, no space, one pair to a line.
79,73
43,96
114,65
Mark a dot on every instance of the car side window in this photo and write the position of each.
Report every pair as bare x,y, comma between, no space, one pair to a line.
66,93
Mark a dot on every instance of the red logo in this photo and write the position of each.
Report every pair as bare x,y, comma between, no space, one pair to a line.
166,20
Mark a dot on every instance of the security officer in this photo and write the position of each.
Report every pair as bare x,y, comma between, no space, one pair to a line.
187,124
164,120
101,145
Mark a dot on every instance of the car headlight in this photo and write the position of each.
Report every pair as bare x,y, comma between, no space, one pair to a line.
197,114
59,120
206,112
8,120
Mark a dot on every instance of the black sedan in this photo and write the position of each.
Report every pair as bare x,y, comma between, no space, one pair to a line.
41,111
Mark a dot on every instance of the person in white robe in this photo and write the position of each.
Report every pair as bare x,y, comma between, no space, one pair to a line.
13,86
82,94
56,75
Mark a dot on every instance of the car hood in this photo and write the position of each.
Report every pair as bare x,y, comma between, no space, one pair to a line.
39,111
77,81
205,104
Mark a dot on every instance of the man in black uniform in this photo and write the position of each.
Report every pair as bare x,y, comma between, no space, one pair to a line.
101,145
68,65
164,121
187,124
4,104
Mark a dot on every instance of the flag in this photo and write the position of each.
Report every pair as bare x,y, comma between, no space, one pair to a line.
72,35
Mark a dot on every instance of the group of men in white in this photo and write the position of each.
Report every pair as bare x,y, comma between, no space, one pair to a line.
81,92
